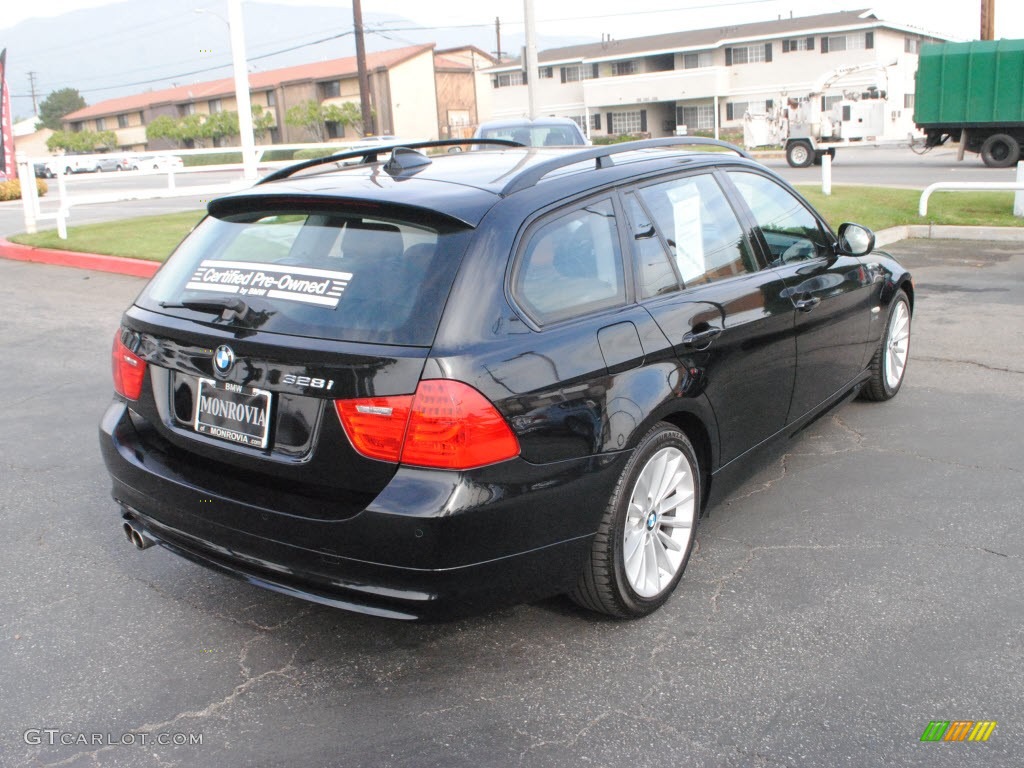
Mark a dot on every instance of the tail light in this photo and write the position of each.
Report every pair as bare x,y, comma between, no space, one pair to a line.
446,424
129,369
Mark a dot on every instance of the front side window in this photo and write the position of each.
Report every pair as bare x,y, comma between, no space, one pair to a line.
790,229
700,227
571,265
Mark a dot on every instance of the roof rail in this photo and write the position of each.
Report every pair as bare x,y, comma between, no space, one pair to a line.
602,157
369,154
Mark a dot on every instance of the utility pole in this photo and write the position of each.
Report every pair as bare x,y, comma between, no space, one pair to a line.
497,31
530,57
32,85
988,19
364,80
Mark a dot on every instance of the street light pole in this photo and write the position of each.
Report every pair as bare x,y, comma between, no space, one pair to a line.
242,101
530,57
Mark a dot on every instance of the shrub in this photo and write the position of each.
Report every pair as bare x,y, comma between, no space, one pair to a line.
11,189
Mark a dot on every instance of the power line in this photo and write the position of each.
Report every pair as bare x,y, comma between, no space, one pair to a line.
382,30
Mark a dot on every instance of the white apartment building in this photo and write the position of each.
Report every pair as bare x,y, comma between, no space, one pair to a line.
709,78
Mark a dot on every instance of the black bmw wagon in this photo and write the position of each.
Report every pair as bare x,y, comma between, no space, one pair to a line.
418,385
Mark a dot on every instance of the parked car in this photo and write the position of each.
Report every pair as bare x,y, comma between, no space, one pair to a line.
43,171
156,163
431,385
540,132
111,163
68,164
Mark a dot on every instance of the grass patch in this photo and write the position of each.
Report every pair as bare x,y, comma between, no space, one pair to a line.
882,207
154,237
147,237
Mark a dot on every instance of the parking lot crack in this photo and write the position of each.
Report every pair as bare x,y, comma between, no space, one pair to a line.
286,671
997,369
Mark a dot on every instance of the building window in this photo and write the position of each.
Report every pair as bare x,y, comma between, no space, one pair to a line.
580,120
626,122
122,121
506,79
623,68
698,118
335,130
908,101
101,124
697,60
857,41
186,109
271,98
215,106
798,44
571,74
748,54
911,45
330,90
735,110
595,121
545,72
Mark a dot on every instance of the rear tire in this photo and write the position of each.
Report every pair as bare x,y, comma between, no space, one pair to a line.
1000,150
646,534
889,363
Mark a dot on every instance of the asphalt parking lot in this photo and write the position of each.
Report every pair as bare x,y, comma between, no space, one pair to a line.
864,583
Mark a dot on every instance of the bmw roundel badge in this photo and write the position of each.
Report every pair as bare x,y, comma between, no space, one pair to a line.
223,358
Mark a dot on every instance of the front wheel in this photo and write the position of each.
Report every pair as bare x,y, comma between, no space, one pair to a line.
799,154
889,363
646,534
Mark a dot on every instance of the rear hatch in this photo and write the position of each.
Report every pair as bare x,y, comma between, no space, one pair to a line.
264,316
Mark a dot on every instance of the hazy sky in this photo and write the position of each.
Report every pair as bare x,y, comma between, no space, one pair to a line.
621,19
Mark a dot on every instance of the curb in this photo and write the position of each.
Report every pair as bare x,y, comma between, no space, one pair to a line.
94,261
948,232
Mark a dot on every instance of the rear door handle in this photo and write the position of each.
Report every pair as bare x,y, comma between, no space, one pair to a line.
701,339
806,305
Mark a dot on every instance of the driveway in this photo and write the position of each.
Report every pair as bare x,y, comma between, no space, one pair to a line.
861,585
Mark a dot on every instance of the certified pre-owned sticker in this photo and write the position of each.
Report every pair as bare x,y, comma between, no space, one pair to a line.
322,287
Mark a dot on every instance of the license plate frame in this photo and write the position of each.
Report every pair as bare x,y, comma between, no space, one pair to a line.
233,413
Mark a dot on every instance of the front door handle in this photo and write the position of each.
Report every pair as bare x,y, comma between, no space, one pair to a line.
701,339
807,304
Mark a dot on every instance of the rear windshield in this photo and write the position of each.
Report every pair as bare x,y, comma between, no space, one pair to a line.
536,136
320,274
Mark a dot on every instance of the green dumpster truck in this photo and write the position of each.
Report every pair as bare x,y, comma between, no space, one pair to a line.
973,93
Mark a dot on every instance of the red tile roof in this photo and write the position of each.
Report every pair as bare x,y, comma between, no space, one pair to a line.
258,81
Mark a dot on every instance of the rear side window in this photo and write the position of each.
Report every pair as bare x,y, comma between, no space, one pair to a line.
321,274
700,227
571,265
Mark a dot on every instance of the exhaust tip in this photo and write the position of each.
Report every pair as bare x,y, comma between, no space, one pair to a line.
137,536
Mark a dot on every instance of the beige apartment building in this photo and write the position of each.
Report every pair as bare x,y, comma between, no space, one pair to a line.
710,78
416,92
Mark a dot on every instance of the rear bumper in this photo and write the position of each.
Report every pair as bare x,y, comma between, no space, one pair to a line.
432,544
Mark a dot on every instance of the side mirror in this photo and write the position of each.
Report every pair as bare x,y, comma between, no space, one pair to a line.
855,240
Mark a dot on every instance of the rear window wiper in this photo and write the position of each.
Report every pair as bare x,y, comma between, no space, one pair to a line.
226,307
